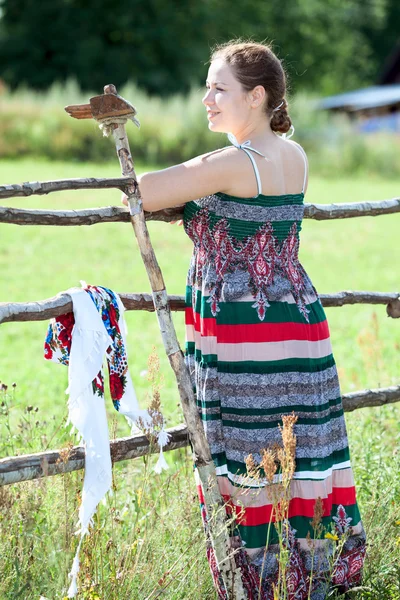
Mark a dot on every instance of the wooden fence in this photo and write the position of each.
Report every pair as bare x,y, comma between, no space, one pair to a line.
33,466
111,111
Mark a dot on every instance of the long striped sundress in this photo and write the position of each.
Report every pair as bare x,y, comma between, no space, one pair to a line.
257,348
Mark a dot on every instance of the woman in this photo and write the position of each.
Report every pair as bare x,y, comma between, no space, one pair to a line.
257,339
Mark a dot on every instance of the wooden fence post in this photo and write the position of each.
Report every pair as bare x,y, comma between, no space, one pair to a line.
112,112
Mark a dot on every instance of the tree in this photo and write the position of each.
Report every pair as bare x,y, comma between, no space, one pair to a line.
163,45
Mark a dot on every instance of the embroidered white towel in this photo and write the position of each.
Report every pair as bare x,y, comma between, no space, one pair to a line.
87,411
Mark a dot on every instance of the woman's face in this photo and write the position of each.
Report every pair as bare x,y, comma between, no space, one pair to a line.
228,109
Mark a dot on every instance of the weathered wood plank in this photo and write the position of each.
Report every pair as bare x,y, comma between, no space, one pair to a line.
346,210
114,214
62,303
40,188
375,397
56,462
85,216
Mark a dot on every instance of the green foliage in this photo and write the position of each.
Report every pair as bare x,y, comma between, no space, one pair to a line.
140,546
163,45
175,130
374,436
36,124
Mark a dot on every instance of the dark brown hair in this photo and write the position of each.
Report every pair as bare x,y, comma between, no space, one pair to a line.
256,64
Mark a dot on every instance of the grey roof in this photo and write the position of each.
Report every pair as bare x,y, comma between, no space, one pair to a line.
378,95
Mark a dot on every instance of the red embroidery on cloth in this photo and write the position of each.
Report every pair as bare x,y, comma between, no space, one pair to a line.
297,581
342,521
224,256
348,568
260,254
289,260
201,236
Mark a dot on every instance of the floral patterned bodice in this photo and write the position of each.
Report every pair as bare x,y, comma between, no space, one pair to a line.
247,245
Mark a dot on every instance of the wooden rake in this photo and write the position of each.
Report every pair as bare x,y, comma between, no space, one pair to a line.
112,112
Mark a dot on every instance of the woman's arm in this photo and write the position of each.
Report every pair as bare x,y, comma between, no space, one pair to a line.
192,179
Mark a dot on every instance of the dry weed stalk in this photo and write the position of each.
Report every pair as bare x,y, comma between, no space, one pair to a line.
279,465
318,528
156,380
281,459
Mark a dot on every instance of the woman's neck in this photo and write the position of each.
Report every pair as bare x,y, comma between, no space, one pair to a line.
260,133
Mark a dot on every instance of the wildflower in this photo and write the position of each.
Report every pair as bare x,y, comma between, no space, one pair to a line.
331,536
251,466
289,440
268,464
318,514
287,454
310,542
397,522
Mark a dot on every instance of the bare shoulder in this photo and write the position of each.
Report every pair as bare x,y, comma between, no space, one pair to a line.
227,158
216,169
200,176
223,167
297,145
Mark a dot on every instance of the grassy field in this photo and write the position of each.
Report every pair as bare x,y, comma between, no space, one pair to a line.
38,262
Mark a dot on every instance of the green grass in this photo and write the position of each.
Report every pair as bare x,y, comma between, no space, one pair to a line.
38,262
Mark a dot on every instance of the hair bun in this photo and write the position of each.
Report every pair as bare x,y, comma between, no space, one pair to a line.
280,120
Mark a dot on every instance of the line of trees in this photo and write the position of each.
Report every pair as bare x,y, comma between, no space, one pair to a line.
163,45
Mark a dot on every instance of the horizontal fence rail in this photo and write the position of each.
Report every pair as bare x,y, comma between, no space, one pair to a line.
112,214
116,214
85,216
41,188
55,462
62,303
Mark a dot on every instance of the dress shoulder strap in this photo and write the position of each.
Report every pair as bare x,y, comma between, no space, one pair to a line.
246,147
